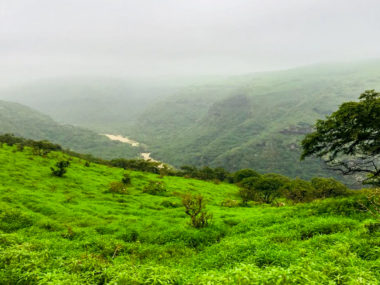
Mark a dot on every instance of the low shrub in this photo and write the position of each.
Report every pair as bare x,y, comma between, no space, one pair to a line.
344,206
328,187
126,180
169,204
12,220
155,188
230,203
196,208
371,202
299,191
244,173
247,194
60,169
267,187
130,235
117,187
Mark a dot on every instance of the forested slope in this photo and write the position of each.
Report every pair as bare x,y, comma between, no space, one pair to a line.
254,121
24,121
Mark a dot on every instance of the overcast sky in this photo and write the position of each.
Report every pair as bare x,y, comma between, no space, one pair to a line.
44,38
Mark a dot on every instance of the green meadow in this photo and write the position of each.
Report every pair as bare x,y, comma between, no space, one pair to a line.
73,230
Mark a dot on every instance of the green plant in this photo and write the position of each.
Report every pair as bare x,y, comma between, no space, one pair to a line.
230,203
60,169
247,194
299,190
155,188
126,180
195,207
243,174
117,187
169,204
348,140
328,187
372,202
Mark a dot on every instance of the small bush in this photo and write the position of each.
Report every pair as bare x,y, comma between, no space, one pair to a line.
155,188
169,204
247,194
230,203
371,202
265,188
118,188
69,233
196,208
328,187
299,191
338,206
244,173
249,182
126,180
60,169
373,227
130,235
12,220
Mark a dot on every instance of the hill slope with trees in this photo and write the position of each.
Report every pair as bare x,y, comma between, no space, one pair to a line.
24,121
255,121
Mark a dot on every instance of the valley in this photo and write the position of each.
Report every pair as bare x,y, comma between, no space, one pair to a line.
252,121
144,155
219,142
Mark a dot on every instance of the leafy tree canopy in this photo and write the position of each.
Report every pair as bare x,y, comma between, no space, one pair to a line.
349,139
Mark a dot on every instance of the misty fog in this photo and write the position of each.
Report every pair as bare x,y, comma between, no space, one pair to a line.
167,38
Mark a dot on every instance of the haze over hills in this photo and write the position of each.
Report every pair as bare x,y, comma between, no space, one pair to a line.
103,104
258,123
251,121
24,121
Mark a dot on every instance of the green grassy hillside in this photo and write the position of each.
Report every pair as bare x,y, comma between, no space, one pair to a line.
26,122
254,121
71,230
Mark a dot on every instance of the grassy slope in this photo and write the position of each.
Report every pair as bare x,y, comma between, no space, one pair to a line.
69,231
214,125
26,122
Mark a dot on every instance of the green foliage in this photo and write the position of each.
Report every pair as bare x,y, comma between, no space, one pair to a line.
253,121
268,187
349,138
248,194
137,164
328,187
26,122
126,180
299,190
71,231
372,202
60,169
204,173
12,220
169,204
155,188
195,207
244,174
117,187
230,203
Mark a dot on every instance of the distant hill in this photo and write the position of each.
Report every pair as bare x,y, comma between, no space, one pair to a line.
24,121
102,104
251,121
254,121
